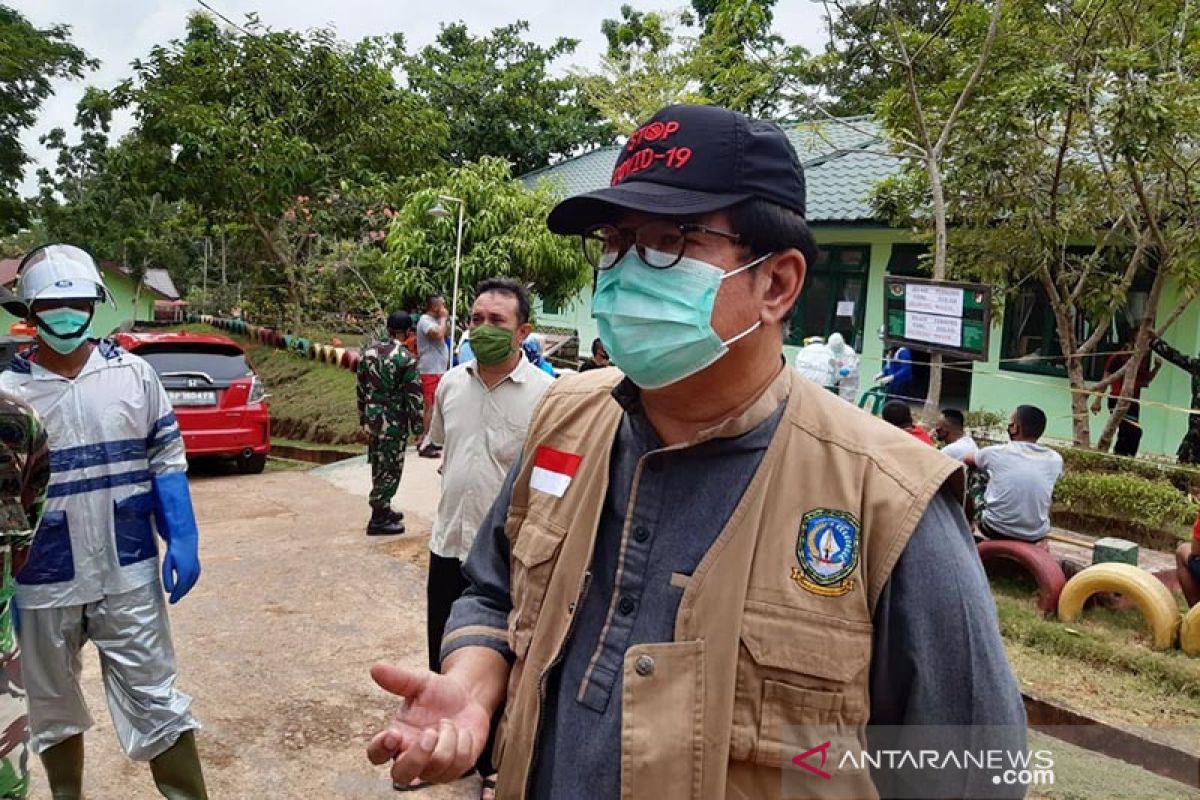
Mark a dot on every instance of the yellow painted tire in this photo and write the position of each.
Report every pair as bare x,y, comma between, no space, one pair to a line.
339,353
1152,598
1189,634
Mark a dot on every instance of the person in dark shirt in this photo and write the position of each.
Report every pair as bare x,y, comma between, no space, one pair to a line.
599,359
1189,448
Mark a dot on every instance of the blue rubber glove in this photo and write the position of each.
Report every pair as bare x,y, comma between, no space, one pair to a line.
177,526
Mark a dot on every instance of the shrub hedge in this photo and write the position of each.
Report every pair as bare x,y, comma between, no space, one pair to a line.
1153,503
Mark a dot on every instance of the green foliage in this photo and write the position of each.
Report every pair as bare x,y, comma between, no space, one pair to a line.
647,66
1152,503
30,60
499,97
741,63
504,233
854,70
1184,479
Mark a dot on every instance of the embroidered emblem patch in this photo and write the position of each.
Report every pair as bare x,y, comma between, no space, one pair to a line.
827,549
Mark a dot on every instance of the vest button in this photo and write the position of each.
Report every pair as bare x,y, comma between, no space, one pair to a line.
644,666
640,534
626,605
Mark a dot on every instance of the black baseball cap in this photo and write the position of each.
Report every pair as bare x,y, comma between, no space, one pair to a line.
688,160
399,321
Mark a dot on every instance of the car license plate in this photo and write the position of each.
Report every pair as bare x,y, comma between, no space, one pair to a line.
180,398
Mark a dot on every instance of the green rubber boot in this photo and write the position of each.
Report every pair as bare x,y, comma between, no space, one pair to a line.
64,768
177,771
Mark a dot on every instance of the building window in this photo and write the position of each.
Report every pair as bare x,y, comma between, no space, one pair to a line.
834,296
551,307
1031,342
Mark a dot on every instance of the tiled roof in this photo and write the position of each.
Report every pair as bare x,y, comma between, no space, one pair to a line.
838,165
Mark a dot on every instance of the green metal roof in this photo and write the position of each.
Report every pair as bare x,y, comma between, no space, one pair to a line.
840,158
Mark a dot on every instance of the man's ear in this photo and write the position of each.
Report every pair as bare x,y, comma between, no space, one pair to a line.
785,273
523,331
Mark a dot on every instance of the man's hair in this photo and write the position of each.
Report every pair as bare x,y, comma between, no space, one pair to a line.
898,413
1032,421
399,322
597,345
431,297
766,227
510,287
954,416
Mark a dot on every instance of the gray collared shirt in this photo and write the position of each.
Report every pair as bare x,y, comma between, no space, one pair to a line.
937,656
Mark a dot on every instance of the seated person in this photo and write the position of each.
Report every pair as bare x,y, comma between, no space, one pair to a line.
951,432
599,359
1187,566
899,414
1020,480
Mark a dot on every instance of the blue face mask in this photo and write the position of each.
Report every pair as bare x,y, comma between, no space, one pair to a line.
65,330
656,324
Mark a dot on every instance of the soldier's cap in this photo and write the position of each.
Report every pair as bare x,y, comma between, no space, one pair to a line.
13,304
399,321
689,160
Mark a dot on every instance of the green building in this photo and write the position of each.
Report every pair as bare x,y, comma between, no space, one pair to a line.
131,303
844,292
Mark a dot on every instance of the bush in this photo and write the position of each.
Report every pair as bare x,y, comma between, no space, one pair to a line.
1149,502
1182,478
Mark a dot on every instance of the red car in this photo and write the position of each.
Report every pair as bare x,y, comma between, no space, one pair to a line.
218,398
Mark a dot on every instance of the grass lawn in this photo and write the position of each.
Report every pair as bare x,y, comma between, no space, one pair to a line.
1084,775
309,401
1101,665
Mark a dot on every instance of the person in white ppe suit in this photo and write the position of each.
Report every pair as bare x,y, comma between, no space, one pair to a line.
816,362
118,476
845,366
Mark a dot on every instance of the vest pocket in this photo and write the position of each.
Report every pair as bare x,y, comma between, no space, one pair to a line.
51,559
134,534
797,668
532,564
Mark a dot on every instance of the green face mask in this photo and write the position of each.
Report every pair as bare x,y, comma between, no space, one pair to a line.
491,344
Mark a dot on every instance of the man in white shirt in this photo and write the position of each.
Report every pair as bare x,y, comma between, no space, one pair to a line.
951,432
1021,477
480,415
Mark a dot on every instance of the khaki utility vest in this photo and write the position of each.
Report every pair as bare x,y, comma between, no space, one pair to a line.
759,643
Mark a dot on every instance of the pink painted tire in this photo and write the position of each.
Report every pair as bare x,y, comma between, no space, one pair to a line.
1036,561
351,360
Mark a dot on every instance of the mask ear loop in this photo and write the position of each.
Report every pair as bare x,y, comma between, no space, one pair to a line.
758,324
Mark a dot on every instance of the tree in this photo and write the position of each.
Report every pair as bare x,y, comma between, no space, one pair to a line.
30,59
499,98
504,233
851,72
742,64
1086,132
934,80
646,66
242,123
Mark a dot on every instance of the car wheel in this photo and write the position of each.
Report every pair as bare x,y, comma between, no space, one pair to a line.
254,465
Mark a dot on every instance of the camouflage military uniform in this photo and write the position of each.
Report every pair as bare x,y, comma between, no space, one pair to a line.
24,473
389,405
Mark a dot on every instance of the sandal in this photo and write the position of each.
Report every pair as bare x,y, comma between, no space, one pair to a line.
487,791
416,785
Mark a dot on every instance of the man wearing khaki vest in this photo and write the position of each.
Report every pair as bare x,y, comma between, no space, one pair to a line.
702,566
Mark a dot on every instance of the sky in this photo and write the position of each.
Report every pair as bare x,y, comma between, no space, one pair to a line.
118,31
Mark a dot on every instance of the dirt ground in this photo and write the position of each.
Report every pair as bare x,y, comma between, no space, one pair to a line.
274,643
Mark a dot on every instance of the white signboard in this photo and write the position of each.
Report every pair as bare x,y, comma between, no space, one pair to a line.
926,299
933,329
845,308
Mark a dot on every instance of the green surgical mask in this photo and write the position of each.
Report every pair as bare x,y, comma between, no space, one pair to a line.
491,344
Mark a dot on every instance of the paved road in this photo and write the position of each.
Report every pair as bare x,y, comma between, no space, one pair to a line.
274,643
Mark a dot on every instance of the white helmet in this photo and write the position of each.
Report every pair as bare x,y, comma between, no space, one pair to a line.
59,272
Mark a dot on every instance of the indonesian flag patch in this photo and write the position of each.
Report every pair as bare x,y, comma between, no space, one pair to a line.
553,470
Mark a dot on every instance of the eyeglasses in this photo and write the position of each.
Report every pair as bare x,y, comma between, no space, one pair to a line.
660,244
